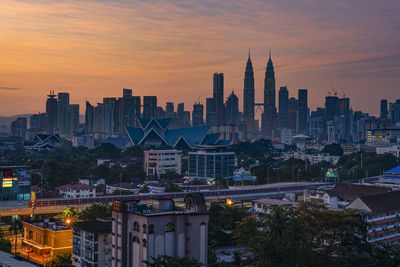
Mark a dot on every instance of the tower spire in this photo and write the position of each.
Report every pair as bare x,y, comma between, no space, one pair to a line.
270,53
249,52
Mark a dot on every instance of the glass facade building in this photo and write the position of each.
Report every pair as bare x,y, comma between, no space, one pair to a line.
204,164
15,183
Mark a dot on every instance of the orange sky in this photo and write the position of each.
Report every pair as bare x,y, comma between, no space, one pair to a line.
171,48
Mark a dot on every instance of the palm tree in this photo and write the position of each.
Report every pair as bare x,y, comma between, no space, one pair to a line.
69,215
16,227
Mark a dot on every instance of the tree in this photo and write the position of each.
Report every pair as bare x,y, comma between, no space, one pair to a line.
171,187
333,150
95,211
144,189
16,228
168,261
121,192
69,215
60,260
5,245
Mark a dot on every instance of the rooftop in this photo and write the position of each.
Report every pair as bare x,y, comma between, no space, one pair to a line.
94,226
383,203
50,224
356,190
78,186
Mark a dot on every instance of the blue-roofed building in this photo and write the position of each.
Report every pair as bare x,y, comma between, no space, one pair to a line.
157,132
391,176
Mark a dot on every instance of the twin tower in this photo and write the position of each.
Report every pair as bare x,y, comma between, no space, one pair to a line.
268,118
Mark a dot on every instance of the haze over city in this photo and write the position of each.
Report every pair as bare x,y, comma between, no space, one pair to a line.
93,49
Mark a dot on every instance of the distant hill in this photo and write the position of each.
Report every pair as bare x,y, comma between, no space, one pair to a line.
7,120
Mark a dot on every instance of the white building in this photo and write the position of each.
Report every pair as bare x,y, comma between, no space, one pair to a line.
92,243
74,191
286,136
312,158
157,162
394,150
122,186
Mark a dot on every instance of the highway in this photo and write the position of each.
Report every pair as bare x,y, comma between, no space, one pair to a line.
51,206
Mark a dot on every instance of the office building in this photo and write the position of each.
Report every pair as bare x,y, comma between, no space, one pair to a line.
89,118
384,109
197,115
211,115
149,107
158,162
63,104
232,110
332,107
73,119
52,113
283,107
395,111
169,110
214,165
141,231
269,115
15,183
248,98
292,114
302,112
18,127
38,122
92,243
218,95
180,114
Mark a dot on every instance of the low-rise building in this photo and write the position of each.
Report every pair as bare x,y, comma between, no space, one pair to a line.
157,162
391,178
47,237
92,243
261,205
122,186
342,194
394,150
142,231
214,165
15,183
382,214
75,191
312,158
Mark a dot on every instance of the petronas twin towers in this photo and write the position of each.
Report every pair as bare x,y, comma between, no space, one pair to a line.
269,115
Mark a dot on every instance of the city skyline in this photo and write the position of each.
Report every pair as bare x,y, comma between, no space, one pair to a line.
182,45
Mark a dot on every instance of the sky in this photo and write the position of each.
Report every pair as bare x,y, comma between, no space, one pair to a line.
93,49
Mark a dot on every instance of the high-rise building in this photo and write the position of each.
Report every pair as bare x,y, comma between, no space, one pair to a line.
89,118
126,92
211,116
303,112
283,107
112,119
332,107
384,109
180,114
197,115
232,110
73,119
149,107
18,127
292,114
130,110
160,113
269,115
186,119
395,111
248,98
346,113
63,103
38,122
169,110
51,111
218,95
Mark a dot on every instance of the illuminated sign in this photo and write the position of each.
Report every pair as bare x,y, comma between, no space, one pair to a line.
8,182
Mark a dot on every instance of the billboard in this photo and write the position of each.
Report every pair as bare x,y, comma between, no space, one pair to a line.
8,182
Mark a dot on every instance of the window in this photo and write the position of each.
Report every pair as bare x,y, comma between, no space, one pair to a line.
144,228
151,229
170,227
136,227
144,243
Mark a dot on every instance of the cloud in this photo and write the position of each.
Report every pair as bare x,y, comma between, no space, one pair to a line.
8,88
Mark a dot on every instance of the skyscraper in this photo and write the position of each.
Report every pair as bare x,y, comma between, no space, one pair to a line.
332,107
395,111
211,116
218,95
89,118
73,119
51,111
384,109
180,114
283,107
149,107
18,127
169,109
63,103
232,110
269,115
303,112
197,115
292,114
248,97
